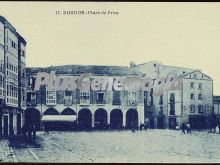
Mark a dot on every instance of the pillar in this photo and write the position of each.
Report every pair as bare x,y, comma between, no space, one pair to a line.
108,117
93,119
124,117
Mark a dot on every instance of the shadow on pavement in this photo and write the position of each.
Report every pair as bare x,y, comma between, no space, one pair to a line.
25,142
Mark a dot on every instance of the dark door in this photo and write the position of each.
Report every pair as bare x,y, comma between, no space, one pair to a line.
5,125
172,123
18,124
11,131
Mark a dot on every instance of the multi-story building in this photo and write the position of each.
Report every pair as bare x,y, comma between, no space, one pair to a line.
12,56
192,103
216,102
99,109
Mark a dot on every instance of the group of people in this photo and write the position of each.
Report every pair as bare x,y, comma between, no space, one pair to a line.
30,130
186,127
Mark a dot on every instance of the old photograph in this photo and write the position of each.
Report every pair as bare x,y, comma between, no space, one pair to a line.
109,82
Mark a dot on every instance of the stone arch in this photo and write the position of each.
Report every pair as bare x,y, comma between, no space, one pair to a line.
116,119
131,118
84,119
68,111
51,111
101,117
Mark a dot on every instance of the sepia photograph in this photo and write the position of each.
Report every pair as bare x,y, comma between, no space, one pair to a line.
109,82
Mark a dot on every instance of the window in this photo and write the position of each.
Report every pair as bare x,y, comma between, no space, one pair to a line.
172,109
200,86
172,97
192,109
68,93
51,96
132,97
84,97
116,98
192,85
22,53
192,96
199,96
200,109
100,98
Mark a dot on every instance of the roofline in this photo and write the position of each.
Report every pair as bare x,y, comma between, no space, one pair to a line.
148,62
196,71
77,65
179,67
12,28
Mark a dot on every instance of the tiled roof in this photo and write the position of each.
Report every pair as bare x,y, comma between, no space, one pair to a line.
79,69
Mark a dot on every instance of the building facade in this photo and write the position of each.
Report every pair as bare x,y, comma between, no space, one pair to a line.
12,56
93,109
216,102
192,103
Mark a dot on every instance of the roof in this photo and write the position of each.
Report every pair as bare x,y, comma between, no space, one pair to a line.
183,75
12,28
80,69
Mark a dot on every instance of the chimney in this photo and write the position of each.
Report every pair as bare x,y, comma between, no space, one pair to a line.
132,64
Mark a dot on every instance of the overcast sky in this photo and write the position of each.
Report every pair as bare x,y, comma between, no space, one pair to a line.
179,34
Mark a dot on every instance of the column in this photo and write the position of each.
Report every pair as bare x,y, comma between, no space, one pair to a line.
108,117
93,119
124,117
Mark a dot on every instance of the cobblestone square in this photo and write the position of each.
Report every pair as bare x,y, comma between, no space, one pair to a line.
123,146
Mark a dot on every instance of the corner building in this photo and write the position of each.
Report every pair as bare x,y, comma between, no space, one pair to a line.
12,56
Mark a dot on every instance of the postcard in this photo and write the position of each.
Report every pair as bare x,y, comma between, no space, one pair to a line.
109,82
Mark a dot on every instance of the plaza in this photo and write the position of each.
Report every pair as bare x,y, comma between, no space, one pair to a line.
152,145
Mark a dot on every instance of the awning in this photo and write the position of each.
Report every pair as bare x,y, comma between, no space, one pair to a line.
68,118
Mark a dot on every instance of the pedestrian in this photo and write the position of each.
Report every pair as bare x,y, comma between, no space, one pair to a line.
34,132
188,128
29,132
217,129
183,127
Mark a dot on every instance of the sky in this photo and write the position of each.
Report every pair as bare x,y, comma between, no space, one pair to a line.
178,34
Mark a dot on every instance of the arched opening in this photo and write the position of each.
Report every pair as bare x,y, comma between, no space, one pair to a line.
70,125
100,119
84,119
32,117
131,119
116,119
51,125
51,111
68,111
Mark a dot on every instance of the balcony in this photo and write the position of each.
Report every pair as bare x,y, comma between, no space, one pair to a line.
101,102
116,102
68,101
84,101
32,102
132,102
